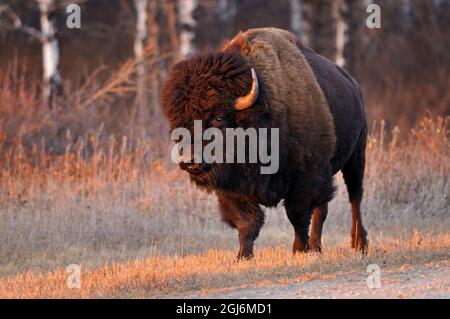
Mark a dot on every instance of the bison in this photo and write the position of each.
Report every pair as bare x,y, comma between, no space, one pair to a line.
266,78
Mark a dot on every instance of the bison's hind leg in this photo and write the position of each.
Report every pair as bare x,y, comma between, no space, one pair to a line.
301,205
300,217
353,173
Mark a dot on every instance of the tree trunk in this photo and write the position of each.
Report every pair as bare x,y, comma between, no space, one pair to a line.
139,45
307,21
341,28
171,14
50,51
354,14
407,12
296,18
185,10
324,28
226,10
154,29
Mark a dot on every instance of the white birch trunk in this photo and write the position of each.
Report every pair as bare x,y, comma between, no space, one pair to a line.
226,9
300,16
341,30
50,49
185,11
141,28
406,8
139,45
296,17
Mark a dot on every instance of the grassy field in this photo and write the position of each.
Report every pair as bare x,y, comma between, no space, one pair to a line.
214,270
139,228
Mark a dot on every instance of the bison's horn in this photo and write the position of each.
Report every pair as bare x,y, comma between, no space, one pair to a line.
246,101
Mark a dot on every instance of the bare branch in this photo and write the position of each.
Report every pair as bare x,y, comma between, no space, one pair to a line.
18,25
120,82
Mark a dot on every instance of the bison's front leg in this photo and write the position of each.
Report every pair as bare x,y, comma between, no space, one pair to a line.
319,215
299,215
246,216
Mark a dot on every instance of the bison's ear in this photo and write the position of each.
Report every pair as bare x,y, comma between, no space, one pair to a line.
244,102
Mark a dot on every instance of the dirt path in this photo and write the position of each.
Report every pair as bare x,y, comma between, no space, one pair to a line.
422,281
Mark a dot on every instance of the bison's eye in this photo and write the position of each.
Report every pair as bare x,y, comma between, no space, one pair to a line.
218,121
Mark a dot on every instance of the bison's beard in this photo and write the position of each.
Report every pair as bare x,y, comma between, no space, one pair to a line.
244,179
217,176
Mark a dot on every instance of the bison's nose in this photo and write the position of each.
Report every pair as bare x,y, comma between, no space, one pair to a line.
192,168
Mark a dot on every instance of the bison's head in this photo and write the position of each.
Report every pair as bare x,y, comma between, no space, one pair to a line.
223,91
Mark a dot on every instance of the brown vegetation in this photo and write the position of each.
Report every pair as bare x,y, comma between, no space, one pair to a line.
71,192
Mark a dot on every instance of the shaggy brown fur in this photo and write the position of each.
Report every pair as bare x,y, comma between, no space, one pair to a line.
275,55
318,109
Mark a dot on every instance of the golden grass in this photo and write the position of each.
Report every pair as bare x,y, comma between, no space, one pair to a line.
114,201
80,185
165,276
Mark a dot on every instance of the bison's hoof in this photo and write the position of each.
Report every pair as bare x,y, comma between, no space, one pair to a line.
240,258
300,248
244,256
315,245
360,244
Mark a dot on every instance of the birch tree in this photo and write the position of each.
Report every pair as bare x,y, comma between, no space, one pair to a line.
185,13
154,45
171,14
139,45
341,29
46,35
50,49
323,25
296,17
226,10
406,8
354,15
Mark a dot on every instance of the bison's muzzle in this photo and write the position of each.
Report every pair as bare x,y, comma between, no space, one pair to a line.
195,168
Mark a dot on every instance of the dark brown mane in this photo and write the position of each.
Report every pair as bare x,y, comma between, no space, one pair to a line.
205,81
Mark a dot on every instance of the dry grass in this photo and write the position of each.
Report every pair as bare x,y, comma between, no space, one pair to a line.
165,276
120,204
77,190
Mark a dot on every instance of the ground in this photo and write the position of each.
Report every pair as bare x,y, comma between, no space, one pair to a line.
431,280
413,267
